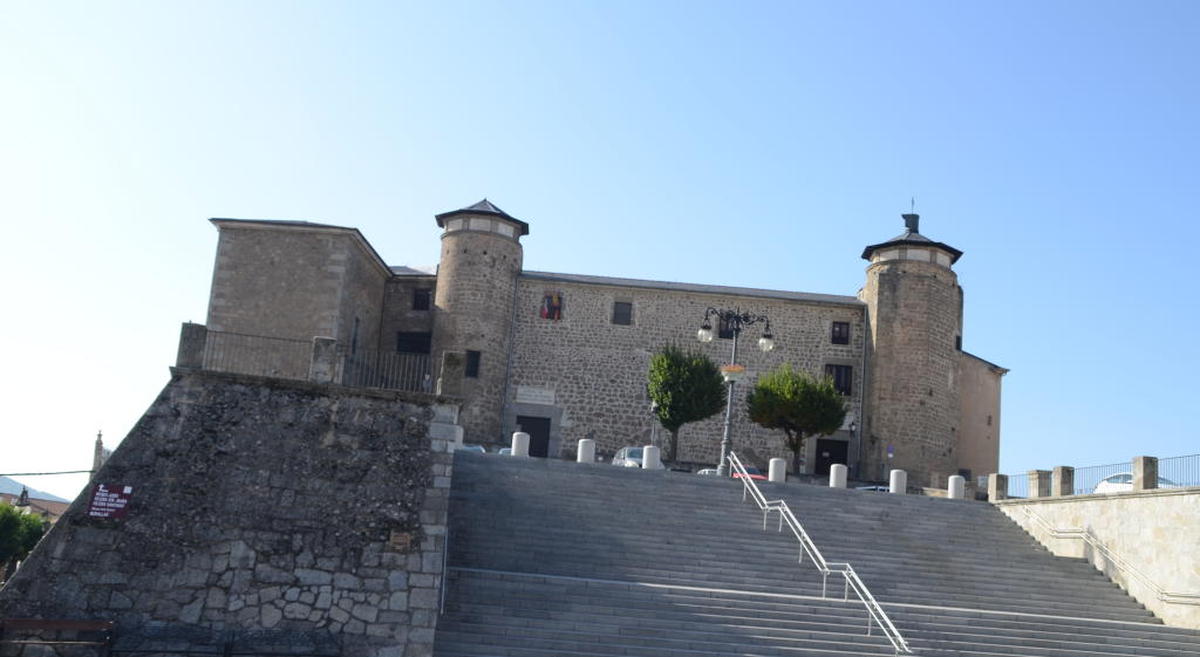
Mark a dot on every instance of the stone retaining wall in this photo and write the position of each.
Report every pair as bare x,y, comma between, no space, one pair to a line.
259,505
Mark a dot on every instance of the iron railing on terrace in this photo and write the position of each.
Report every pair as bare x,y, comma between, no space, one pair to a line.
257,355
850,579
283,358
1173,472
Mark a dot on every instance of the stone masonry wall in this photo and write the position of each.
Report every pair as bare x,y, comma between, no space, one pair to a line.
1154,531
398,313
589,375
259,506
277,283
473,301
914,401
979,431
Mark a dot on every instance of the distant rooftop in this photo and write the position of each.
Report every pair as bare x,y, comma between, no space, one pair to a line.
420,270
836,299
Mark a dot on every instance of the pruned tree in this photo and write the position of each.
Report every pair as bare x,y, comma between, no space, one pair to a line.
798,403
685,386
19,532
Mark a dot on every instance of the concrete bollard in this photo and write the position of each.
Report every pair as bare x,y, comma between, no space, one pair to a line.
837,476
520,443
777,470
587,451
899,482
956,487
651,458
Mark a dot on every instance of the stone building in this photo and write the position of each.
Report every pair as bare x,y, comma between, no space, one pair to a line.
564,356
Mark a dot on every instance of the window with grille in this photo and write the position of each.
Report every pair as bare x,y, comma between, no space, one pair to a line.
842,375
622,313
841,333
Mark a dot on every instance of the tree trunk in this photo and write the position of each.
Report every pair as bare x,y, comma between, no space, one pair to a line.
672,445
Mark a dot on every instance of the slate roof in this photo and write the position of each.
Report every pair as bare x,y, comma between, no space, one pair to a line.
911,237
483,207
835,299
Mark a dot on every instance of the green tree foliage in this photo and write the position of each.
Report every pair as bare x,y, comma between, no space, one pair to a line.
685,387
798,403
19,532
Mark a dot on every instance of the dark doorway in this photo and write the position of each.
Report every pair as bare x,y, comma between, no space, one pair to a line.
538,429
828,453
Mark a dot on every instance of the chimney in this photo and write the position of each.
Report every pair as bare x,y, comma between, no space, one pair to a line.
911,222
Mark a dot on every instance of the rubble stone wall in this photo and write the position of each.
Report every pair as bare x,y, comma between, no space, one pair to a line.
259,505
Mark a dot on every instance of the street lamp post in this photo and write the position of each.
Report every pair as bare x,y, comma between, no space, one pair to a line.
734,320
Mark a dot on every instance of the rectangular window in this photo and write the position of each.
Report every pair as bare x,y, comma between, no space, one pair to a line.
725,329
841,333
622,313
958,342
472,370
421,299
413,343
842,376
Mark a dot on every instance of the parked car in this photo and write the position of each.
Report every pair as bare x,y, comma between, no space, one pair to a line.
878,489
504,451
1123,481
474,448
629,457
707,471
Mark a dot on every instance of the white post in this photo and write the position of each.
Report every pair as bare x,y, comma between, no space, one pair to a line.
899,482
957,487
520,443
777,470
651,458
587,451
837,476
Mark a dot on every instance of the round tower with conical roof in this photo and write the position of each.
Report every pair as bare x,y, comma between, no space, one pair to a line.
914,306
473,312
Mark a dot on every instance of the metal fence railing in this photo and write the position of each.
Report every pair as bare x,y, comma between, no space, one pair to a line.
386,369
257,355
1086,479
1173,472
1180,470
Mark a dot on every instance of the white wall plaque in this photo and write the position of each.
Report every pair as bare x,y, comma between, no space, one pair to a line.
532,395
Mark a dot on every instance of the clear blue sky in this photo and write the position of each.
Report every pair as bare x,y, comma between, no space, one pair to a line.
760,144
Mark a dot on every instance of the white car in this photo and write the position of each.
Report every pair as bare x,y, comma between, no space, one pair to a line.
1123,481
629,457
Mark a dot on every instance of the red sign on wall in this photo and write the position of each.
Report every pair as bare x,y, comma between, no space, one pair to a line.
109,501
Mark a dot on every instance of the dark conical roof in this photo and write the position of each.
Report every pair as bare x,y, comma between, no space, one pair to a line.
912,237
483,207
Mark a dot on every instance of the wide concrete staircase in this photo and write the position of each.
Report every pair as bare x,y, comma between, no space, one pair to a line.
557,558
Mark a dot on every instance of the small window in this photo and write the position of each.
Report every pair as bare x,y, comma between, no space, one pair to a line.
725,329
472,370
958,342
622,313
842,376
841,333
413,343
552,306
421,299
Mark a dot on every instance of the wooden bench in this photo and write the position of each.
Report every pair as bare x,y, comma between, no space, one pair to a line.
102,629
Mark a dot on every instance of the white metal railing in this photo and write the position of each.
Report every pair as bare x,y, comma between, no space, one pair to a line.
1096,544
851,580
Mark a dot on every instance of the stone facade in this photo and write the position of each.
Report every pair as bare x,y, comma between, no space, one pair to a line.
261,506
493,340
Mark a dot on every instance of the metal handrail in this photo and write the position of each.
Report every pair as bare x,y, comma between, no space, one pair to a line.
1172,597
851,580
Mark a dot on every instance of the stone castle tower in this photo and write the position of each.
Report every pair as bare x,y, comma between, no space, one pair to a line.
914,306
473,310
